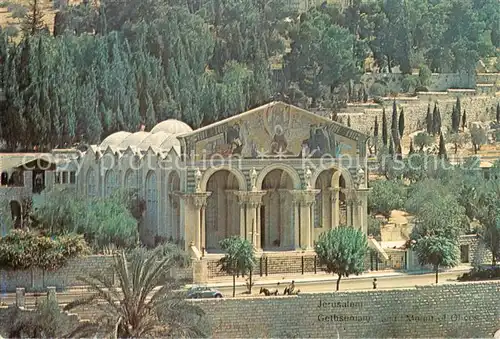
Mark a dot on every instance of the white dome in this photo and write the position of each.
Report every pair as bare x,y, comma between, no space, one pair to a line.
134,139
170,142
172,126
114,139
154,140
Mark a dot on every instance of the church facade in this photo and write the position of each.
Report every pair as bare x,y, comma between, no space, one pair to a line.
277,175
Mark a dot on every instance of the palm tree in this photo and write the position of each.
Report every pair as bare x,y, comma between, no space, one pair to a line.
239,259
144,302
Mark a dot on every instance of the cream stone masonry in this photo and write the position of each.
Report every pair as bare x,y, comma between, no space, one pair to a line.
277,175
461,310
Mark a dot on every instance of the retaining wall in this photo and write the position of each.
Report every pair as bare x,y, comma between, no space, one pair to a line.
467,310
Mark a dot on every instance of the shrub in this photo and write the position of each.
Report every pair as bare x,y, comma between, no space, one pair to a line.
421,89
18,11
481,273
424,75
378,90
409,82
22,249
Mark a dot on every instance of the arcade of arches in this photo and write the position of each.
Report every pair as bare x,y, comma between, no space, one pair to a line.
277,215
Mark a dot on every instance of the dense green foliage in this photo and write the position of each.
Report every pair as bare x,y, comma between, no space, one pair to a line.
115,65
437,251
444,199
342,251
102,221
239,258
22,249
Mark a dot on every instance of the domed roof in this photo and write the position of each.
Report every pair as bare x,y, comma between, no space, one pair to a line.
154,140
172,126
170,142
134,139
114,139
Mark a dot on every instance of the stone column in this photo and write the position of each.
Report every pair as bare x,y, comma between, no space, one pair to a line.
240,196
309,201
51,293
296,219
335,207
362,209
253,203
305,200
20,297
195,218
250,203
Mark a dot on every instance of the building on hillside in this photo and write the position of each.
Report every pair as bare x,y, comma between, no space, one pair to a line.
276,175
27,177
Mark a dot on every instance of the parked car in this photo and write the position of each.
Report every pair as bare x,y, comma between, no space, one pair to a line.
198,292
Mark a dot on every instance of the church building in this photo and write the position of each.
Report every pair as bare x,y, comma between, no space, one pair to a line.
276,175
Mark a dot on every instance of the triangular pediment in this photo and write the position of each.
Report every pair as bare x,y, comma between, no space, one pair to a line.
275,129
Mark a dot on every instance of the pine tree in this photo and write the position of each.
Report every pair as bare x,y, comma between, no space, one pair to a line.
429,120
412,150
442,147
33,20
384,128
401,123
464,120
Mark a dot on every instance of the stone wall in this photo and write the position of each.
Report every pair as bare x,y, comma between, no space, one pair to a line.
478,108
454,310
66,277
437,82
477,252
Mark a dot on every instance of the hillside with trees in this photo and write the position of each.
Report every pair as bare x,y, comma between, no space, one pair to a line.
116,65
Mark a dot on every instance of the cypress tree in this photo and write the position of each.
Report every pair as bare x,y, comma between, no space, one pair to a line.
394,120
348,121
464,120
442,147
458,106
498,113
394,126
429,120
375,128
455,123
412,150
436,123
384,128
401,123
391,148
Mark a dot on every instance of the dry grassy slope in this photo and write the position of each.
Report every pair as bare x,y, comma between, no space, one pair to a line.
6,18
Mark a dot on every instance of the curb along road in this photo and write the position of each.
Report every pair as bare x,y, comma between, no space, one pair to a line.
326,279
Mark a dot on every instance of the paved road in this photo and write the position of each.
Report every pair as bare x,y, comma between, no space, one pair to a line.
391,282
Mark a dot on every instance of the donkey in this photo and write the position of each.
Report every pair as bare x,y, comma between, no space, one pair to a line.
268,293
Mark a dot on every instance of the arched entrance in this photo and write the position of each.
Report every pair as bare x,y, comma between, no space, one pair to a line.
173,208
276,214
222,215
16,213
330,205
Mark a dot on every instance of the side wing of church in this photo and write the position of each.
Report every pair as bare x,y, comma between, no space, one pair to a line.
277,175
